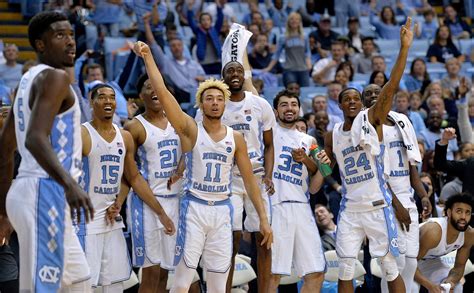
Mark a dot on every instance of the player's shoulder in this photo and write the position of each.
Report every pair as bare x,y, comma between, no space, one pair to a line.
256,99
431,231
133,125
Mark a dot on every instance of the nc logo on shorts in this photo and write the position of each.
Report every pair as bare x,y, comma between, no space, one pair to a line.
394,242
229,149
139,251
177,250
49,274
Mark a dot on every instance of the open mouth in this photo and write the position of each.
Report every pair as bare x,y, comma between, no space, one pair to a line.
235,81
108,109
154,98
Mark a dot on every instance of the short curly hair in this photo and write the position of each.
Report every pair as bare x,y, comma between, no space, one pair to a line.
211,83
40,24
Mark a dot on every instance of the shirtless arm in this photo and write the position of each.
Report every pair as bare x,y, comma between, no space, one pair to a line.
462,255
430,236
184,125
245,168
45,103
378,112
140,186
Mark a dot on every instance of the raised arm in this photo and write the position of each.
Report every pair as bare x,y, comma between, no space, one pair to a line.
455,168
140,186
47,101
243,163
378,113
182,123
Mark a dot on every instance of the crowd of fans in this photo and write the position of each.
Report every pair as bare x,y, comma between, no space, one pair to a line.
299,45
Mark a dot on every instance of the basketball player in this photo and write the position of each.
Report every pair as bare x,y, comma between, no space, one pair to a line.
205,223
45,126
253,117
159,151
108,154
403,179
366,206
297,243
440,236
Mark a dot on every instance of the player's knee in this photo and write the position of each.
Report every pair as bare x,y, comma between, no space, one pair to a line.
389,267
346,269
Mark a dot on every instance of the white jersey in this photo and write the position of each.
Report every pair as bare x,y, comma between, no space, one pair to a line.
102,175
208,166
399,178
290,178
443,247
158,157
65,133
361,174
251,117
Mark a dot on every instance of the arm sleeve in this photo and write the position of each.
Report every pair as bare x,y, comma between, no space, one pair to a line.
192,21
454,168
465,128
220,19
158,55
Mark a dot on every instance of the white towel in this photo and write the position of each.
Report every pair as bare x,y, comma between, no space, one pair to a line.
364,134
408,135
235,44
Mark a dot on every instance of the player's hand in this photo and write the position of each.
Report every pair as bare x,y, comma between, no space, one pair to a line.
173,179
6,230
463,87
426,204
447,135
434,288
406,33
141,49
323,157
167,224
298,155
269,187
77,200
267,234
146,18
112,213
403,217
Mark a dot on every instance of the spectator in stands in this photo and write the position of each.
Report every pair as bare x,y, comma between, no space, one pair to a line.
355,38
324,70
159,11
294,88
182,73
182,10
309,117
319,103
208,44
321,123
461,169
252,8
433,89
386,26
301,125
378,63
10,72
326,226
346,9
267,29
428,182
415,104
443,47
436,103
259,85
342,78
106,16
253,28
459,28
277,12
127,22
452,80
309,16
418,79
260,57
227,10
402,105
379,78
427,28
465,120
324,35
334,112
349,69
363,61
434,132
295,45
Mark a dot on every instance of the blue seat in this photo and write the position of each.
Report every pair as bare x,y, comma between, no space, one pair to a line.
419,48
270,92
465,46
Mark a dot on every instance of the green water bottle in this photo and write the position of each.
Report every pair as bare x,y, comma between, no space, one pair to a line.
325,169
